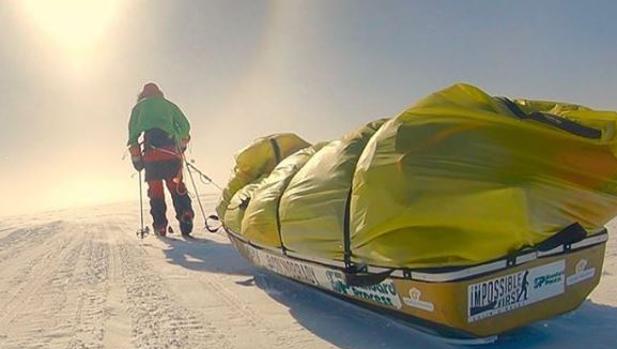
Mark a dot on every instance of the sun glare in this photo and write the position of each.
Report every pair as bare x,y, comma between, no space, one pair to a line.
74,25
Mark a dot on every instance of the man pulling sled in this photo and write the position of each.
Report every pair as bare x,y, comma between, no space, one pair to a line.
165,132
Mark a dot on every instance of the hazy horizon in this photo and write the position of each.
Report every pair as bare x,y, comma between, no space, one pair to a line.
244,69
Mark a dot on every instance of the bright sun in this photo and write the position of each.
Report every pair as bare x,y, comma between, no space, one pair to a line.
74,25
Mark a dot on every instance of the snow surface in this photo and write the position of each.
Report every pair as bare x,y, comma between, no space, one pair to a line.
81,279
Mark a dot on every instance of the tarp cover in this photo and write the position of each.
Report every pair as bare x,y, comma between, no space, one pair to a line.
260,223
257,160
313,207
458,179
238,205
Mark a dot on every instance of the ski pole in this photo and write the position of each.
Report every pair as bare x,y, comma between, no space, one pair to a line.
142,232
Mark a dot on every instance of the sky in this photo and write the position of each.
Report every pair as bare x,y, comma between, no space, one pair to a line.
71,70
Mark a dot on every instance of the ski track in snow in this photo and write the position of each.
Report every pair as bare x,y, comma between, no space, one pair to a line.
81,279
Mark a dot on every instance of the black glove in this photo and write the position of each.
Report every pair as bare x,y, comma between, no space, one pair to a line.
136,158
138,163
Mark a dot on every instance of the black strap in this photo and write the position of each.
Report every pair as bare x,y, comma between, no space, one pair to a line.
347,232
365,278
244,203
568,235
513,107
278,220
567,125
553,120
358,275
276,149
214,218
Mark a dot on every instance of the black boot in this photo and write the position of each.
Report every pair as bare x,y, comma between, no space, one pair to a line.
157,210
184,211
186,223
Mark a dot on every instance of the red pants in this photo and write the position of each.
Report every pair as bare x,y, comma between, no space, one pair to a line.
179,197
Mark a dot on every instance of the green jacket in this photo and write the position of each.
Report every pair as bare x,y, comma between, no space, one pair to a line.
156,112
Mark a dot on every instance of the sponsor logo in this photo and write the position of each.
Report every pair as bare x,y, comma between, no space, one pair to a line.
508,292
292,269
414,300
581,273
383,293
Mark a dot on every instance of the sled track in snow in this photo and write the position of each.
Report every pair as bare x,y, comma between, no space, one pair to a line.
27,277
157,320
44,312
92,288
74,284
56,297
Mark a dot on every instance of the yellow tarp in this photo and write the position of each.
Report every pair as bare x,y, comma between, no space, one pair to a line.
258,159
312,208
238,205
458,179
260,220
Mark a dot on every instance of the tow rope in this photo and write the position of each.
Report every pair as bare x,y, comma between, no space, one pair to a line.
204,179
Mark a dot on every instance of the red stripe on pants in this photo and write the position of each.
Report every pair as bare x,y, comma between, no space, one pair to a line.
155,189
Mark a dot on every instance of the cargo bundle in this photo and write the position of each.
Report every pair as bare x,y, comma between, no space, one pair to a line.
467,214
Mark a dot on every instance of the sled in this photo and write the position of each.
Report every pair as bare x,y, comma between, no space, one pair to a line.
471,304
466,214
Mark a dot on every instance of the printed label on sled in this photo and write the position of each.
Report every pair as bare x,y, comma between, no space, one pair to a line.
290,268
414,300
581,273
505,293
383,293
